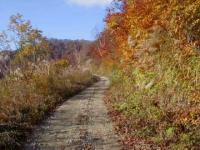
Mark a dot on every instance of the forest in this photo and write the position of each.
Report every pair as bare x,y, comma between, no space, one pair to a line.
153,50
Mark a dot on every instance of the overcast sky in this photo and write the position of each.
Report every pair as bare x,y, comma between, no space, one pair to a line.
71,19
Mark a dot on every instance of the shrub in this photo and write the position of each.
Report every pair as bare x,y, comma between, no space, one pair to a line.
25,99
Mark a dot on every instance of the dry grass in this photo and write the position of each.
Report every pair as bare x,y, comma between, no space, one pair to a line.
160,96
26,97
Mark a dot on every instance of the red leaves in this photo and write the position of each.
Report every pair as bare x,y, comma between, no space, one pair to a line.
123,127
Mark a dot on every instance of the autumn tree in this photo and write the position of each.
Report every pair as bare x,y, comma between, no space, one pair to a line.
157,44
31,45
135,19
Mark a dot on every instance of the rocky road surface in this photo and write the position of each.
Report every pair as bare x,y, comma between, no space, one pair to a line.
81,123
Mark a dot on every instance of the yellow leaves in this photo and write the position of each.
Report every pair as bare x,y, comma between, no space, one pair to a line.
188,50
167,43
111,25
189,116
63,63
17,24
31,45
126,55
27,50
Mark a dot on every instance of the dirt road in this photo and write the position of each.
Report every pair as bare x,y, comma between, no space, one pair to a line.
81,123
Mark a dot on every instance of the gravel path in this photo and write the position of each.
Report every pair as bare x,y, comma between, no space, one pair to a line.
81,123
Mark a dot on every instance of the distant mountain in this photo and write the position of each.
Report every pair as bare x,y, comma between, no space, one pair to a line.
76,51
61,48
69,49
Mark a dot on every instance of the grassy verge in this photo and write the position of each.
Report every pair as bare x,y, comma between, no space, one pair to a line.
26,98
159,104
